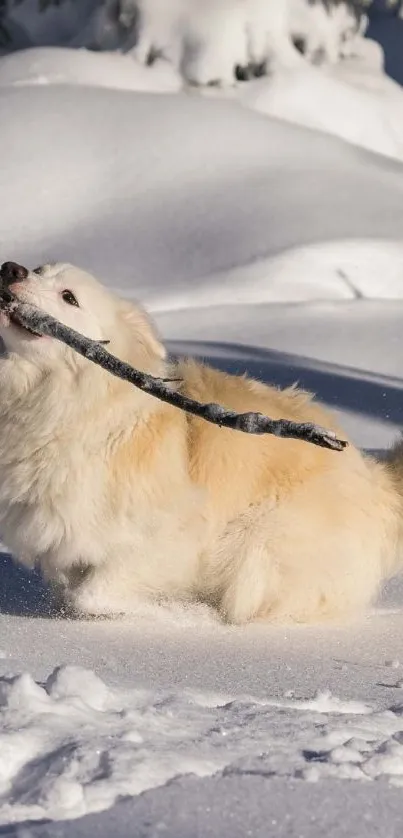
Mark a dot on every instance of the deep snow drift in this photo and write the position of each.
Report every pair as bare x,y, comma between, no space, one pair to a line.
170,197
353,100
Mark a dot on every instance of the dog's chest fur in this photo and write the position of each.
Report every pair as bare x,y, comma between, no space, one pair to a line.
48,471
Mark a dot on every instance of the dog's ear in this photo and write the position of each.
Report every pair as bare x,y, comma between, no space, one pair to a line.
144,332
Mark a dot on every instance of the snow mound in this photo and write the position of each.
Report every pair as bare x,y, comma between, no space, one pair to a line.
165,201
359,105
58,65
339,270
74,745
328,100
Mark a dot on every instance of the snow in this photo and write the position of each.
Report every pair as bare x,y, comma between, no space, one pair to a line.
369,115
367,106
61,65
261,245
76,742
255,189
102,743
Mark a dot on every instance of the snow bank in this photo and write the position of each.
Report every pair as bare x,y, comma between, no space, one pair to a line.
74,745
168,199
329,100
58,65
338,270
354,101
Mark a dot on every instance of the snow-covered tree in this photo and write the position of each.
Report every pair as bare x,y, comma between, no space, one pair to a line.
209,41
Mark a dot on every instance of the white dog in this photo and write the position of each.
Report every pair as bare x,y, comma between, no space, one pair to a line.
119,497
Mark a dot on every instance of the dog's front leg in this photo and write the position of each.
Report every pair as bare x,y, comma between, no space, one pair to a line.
105,590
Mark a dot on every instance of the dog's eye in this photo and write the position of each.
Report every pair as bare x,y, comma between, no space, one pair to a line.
69,298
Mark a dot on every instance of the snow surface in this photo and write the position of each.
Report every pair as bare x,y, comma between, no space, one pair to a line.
74,745
260,245
366,108
60,65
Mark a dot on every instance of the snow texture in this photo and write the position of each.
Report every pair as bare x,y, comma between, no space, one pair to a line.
73,745
262,243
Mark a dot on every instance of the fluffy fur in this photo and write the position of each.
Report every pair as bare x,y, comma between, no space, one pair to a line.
119,497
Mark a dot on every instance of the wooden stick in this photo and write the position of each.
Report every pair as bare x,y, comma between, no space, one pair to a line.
41,323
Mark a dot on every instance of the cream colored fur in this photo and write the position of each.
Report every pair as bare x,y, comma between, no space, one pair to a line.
119,497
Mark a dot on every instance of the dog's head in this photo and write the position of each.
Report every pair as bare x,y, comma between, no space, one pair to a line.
79,301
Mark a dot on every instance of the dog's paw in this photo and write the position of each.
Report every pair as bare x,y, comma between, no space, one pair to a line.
92,600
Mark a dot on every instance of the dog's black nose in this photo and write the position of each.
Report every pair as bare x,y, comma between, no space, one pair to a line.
11,272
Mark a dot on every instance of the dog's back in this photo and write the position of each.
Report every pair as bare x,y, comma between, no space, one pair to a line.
297,532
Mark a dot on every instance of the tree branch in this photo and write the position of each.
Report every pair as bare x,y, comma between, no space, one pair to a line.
252,423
